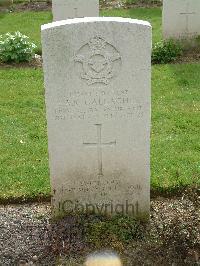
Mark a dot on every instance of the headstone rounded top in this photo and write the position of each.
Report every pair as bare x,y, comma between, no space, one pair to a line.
94,19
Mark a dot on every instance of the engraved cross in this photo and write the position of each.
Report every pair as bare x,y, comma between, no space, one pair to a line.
187,14
76,9
99,144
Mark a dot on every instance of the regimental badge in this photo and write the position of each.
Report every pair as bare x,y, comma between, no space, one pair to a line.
100,61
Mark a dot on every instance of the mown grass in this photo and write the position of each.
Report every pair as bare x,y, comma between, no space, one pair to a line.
175,126
23,141
29,22
175,143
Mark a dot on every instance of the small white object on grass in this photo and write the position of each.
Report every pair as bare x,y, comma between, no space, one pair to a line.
103,259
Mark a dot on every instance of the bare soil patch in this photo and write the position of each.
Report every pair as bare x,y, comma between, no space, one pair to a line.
33,6
107,4
35,63
171,237
189,56
104,4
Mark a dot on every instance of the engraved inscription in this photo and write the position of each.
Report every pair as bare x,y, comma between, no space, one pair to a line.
99,144
100,104
100,61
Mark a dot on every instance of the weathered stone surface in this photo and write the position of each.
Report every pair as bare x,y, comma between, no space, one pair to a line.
181,19
97,79
64,9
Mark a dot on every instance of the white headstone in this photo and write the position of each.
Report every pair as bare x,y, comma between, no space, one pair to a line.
65,9
181,19
97,79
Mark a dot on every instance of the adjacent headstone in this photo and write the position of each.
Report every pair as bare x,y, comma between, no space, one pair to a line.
181,19
97,79
65,9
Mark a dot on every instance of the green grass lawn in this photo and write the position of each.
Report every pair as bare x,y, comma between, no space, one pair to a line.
23,140
29,22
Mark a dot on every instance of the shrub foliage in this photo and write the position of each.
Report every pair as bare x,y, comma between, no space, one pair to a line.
166,51
16,48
